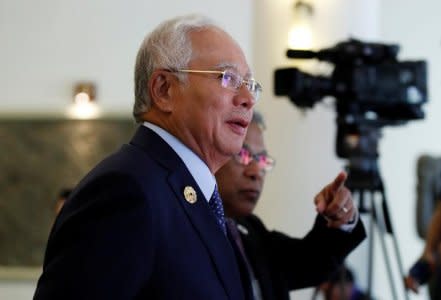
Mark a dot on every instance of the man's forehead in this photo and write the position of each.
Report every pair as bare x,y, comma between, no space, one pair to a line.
253,149
220,49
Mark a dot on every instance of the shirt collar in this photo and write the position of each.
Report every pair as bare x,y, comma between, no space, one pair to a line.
196,166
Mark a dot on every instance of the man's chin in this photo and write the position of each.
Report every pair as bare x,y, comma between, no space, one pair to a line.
247,209
233,143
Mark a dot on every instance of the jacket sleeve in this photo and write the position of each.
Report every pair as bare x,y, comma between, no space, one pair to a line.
308,261
99,242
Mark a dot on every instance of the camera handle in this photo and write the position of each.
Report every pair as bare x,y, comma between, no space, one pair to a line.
372,201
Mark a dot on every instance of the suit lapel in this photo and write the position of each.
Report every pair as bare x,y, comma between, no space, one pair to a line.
244,271
208,229
257,257
198,213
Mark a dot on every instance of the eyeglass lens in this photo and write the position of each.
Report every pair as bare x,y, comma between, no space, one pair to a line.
233,80
245,157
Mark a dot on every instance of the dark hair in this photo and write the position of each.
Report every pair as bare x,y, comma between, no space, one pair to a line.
258,119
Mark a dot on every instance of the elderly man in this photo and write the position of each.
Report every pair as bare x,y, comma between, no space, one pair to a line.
277,263
147,222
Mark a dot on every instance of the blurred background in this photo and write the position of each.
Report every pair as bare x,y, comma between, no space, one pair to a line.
56,55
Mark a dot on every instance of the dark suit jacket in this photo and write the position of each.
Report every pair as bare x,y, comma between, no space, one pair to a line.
127,232
282,263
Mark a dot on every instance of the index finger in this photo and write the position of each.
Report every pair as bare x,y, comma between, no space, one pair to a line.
339,181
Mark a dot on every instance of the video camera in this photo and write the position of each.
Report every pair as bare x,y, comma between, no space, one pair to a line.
372,89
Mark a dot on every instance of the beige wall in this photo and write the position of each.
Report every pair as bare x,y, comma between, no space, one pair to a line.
48,45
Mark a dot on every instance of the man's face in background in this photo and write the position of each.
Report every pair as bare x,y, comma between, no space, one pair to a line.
240,185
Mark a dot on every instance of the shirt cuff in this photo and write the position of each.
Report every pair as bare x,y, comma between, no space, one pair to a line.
348,227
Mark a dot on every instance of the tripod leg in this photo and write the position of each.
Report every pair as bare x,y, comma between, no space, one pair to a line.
371,256
370,248
387,227
381,231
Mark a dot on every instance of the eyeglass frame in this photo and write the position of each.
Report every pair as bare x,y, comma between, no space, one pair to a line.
255,157
249,83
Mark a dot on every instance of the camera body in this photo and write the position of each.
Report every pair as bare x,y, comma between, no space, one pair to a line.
367,78
370,85
372,89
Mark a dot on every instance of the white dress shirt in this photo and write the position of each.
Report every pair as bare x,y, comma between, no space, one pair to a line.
197,167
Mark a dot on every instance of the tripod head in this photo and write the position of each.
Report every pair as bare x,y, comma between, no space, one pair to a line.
363,175
358,142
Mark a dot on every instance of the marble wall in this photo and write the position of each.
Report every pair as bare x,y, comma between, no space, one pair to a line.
39,157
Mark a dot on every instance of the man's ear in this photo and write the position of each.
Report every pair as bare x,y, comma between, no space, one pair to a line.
161,85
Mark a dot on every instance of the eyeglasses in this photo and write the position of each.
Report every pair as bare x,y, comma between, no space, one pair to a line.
232,81
245,157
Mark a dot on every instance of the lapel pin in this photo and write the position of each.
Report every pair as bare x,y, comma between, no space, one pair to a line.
190,194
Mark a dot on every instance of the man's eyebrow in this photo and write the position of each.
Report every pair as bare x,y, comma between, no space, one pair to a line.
226,65
232,66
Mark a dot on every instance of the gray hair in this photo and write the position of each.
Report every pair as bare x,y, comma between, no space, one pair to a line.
258,119
167,47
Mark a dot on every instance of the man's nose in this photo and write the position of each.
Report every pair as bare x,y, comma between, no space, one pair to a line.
244,97
254,170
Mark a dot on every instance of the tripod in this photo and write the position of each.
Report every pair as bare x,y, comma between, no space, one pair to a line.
365,182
